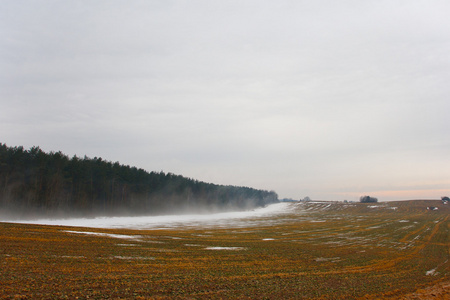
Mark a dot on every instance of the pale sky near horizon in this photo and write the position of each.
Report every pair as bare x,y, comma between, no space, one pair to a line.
326,99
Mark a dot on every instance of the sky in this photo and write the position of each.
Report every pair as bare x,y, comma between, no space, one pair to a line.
326,99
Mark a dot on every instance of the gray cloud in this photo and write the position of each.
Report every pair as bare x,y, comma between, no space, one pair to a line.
327,99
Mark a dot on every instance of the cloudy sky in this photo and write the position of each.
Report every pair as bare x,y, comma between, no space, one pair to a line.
326,99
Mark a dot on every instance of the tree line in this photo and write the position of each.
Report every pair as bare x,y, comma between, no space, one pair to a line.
35,182
367,199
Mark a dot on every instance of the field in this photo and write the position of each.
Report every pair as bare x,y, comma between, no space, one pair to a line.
319,250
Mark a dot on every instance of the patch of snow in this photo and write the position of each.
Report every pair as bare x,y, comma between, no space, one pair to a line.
117,236
71,256
226,248
174,237
324,259
132,257
407,227
164,250
431,272
268,239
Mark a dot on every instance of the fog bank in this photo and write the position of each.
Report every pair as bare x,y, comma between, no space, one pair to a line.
225,219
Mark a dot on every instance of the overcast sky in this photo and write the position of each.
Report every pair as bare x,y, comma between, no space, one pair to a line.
326,99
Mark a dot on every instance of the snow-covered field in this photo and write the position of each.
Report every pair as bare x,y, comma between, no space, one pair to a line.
254,217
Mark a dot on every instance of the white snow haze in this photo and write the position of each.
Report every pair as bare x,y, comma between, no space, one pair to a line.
226,219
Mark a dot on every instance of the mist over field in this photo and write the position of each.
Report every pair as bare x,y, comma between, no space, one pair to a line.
253,217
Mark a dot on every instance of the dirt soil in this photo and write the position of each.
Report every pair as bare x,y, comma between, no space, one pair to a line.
440,291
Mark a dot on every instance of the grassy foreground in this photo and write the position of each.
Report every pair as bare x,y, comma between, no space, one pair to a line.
319,251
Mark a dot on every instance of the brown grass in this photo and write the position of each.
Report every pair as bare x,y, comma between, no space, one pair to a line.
357,252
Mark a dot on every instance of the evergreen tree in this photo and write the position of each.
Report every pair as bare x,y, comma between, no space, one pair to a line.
32,181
